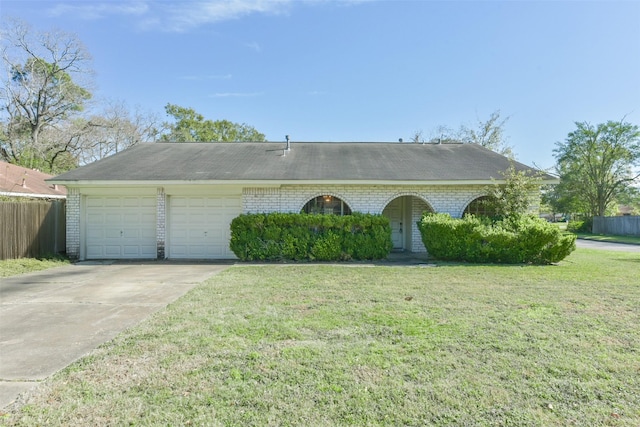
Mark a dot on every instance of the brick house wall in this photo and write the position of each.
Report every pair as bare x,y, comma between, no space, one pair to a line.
367,199
292,198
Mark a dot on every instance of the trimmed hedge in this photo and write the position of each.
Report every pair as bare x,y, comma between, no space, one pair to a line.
525,239
300,236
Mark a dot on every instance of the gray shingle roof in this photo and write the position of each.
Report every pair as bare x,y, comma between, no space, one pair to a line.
242,161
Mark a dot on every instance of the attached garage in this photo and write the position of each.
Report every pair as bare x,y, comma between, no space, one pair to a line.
198,227
120,227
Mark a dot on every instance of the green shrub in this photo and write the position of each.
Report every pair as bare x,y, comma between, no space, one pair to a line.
293,236
514,240
580,226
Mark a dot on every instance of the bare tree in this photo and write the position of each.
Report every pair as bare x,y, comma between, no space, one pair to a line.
45,82
489,134
418,137
114,130
102,134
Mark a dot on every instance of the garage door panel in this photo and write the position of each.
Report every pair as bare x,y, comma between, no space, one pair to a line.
120,227
95,216
94,202
131,251
199,226
148,218
115,202
131,234
178,251
148,234
217,234
179,235
112,216
111,233
94,233
95,251
130,218
113,251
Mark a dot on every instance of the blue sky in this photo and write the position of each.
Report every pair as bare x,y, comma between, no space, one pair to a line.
330,70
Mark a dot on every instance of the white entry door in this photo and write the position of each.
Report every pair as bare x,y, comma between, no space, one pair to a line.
394,211
199,226
120,227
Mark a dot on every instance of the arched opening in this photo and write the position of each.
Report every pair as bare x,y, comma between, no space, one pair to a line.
326,205
403,213
480,206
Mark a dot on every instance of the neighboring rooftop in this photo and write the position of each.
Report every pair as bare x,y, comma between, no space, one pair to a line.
17,181
306,161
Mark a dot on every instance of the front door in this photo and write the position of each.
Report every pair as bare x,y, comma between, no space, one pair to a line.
394,211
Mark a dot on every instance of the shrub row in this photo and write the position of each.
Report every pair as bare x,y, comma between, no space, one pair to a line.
524,239
292,236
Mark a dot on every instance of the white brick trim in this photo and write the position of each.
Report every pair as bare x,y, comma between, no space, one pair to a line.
161,222
73,223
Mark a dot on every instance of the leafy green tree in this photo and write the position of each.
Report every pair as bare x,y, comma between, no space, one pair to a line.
190,126
562,198
596,165
515,197
41,88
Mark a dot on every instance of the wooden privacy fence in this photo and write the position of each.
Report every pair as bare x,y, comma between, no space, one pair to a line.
32,229
618,225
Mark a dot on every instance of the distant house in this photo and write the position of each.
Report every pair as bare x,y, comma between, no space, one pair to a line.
625,210
176,200
17,181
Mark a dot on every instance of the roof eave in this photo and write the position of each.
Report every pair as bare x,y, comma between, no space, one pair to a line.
262,182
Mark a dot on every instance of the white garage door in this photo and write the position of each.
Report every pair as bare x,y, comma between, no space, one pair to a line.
120,227
199,226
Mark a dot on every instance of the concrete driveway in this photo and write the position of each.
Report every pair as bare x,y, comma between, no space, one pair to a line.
51,318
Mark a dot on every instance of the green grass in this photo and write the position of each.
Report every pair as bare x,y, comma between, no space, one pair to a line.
633,240
356,345
14,267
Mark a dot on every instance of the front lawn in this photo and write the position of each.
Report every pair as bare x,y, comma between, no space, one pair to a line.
13,267
357,345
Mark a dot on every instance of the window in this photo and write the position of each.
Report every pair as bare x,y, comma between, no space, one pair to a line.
480,207
327,205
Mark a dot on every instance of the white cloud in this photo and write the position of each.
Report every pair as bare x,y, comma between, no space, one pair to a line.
186,15
253,45
182,16
99,10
